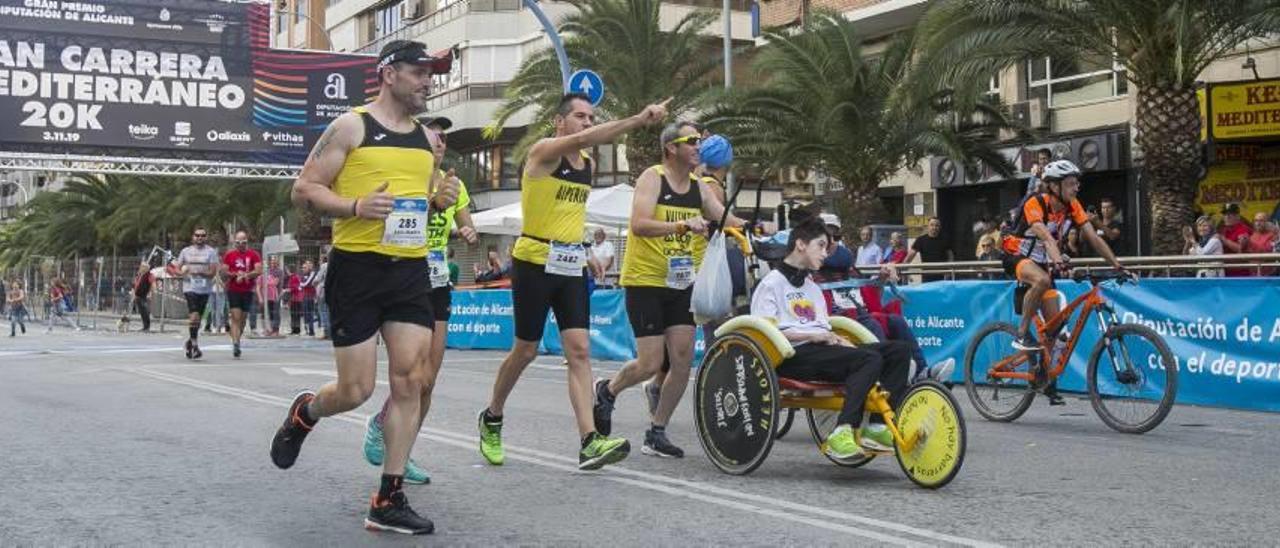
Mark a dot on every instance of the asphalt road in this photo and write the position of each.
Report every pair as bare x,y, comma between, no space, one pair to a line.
117,439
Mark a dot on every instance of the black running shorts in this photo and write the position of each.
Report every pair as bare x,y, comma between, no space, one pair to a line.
196,302
652,310
442,302
241,300
534,292
366,290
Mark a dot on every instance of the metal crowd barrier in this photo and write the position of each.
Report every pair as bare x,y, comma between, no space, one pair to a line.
1168,266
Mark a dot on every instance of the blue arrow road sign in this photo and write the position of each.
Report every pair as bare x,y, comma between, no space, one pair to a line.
587,82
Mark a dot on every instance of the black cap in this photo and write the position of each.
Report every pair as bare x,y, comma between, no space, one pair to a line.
1231,209
441,121
409,51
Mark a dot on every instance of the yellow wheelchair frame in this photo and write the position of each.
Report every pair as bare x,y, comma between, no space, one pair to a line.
739,397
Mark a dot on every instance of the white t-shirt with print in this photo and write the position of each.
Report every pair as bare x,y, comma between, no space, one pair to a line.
797,309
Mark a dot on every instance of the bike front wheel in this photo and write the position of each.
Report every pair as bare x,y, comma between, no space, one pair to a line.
1132,378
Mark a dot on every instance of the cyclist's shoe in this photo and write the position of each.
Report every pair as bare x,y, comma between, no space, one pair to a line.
187,346
235,350
875,438
657,444
373,443
288,440
491,440
841,443
394,514
413,473
601,450
1051,392
652,393
602,411
1027,343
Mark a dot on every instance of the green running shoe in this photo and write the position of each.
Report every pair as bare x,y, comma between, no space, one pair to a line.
841,443
602,450
373,442
876,438
491,441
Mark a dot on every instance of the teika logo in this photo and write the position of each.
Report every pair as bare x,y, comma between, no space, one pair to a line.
143,132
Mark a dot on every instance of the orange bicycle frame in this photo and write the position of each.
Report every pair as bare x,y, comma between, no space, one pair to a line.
1091,300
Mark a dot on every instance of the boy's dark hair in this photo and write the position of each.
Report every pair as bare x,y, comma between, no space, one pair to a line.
1045,152
563,109
806,231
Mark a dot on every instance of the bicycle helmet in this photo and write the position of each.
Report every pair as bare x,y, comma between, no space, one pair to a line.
1060,169
716,152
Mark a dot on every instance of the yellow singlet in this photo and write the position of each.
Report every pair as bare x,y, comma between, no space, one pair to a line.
648,259
554,208
406,162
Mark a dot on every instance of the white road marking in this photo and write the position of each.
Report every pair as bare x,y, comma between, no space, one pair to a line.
823,518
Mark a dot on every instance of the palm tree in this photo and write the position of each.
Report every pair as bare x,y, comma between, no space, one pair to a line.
821,102
623,41
94,214
1163,45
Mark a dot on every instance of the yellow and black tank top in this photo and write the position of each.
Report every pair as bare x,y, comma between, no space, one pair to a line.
647,258
554,208
403,160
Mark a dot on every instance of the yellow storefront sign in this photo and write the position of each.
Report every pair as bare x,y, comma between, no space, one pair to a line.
1245,175
1246,110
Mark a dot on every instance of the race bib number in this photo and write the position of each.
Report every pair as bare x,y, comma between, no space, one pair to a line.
198,283
566,259
847,298
439,269
679,272
406,226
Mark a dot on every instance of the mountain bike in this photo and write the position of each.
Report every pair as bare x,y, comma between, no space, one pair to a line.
1132,378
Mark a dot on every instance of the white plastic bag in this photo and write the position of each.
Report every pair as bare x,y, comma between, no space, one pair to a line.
712,297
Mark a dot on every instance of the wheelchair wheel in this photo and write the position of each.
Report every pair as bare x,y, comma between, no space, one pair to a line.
736,398
821,423
786,423
931,415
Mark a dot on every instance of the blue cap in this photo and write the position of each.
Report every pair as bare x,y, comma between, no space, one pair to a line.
716,152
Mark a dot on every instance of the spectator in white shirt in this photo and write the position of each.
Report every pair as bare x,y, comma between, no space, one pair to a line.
869,254
602,256
1206,242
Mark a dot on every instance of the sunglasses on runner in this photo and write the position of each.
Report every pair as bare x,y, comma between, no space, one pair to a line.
691,140
200,235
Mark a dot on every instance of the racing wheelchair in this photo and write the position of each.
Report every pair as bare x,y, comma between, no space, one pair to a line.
740,402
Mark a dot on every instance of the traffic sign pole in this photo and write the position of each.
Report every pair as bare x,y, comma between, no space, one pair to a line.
554,36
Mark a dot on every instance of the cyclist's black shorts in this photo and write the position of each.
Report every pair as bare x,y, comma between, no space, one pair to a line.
534,292
652,310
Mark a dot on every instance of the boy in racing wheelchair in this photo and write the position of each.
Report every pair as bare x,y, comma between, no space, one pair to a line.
789,296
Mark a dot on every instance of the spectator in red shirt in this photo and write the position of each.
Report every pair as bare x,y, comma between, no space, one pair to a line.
308,286
1235,236
241,266
1263,239
295,303
897,251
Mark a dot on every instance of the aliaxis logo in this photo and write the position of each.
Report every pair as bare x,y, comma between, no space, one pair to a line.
143,132
239,137
281,137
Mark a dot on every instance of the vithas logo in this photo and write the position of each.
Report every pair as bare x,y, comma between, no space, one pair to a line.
336,87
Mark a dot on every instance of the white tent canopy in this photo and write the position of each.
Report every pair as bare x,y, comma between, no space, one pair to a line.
608,208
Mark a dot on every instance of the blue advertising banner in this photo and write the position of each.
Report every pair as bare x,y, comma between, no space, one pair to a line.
611,336
1224,333
481,320
1226,355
